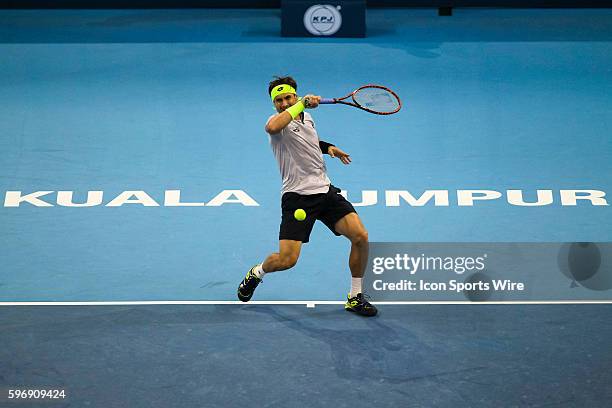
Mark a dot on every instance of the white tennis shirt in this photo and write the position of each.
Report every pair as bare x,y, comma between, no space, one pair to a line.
299,157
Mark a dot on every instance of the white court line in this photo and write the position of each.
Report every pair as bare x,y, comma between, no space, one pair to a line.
307,303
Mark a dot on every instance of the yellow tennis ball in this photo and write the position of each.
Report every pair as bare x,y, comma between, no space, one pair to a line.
299,214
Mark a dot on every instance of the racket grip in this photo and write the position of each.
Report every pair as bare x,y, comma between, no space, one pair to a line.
325,101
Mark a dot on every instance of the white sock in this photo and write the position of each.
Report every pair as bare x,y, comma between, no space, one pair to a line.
355,286
258,271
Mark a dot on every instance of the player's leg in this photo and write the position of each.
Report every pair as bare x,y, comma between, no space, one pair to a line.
285,258
351,227
342,219
293,233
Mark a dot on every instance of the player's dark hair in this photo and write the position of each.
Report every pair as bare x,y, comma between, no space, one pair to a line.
281,80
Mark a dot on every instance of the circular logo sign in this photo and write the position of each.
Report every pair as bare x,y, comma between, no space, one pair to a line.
322,19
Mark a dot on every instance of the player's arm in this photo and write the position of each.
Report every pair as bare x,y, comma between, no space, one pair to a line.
324,146
333,151
280,120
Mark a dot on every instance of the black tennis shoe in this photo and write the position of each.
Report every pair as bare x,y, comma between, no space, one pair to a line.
248,285
360,305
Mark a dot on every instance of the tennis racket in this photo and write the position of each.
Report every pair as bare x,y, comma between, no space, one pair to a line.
376,99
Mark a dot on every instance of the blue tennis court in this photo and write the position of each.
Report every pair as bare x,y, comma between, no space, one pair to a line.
135,168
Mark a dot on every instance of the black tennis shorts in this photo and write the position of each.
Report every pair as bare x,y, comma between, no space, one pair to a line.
327,207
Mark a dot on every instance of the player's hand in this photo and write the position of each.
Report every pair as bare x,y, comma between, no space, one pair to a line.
313,101
333,151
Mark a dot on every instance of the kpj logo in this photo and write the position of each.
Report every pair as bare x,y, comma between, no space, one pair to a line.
322,19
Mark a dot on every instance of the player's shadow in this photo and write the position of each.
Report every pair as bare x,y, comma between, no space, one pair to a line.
369,348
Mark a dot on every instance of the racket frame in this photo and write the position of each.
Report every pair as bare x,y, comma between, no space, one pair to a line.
356,105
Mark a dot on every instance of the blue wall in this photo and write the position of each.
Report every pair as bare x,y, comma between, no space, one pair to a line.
276,3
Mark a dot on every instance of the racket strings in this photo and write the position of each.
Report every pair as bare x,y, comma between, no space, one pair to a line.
376,99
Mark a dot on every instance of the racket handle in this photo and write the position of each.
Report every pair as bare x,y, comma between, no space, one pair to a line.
325,101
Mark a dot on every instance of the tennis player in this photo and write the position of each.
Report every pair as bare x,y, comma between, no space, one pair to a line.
299,153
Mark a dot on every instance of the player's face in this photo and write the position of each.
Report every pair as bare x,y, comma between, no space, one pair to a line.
284,101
